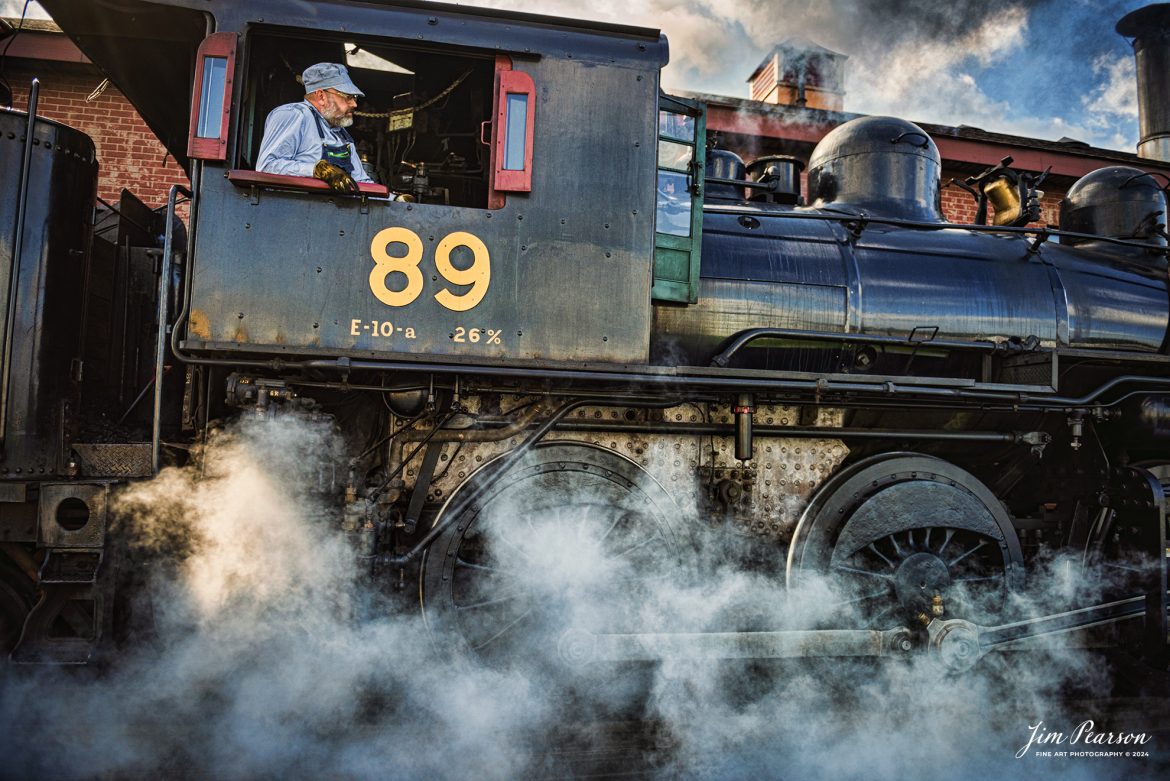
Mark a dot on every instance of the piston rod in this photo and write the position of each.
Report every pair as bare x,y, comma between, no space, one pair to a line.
578,646
957,643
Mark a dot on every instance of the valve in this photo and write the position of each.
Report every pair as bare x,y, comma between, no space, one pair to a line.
1076,422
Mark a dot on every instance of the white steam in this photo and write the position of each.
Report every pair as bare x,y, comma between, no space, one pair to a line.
11,9
273,657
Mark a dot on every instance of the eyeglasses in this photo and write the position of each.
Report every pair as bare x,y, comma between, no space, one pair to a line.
343,95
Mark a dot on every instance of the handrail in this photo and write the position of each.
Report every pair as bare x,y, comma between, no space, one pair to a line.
160,347
741,339
863,219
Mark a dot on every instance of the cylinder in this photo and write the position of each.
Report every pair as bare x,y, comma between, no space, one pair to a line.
1149,28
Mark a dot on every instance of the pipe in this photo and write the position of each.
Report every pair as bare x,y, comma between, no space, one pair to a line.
188,274
745,407
743,338
498,434
17,250
804,432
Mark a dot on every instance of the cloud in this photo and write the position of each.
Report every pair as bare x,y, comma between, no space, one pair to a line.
924,77
917,59
1117,94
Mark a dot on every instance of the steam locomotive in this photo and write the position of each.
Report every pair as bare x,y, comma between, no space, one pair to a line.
558,303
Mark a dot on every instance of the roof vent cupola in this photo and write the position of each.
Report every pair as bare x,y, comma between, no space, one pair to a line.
798,72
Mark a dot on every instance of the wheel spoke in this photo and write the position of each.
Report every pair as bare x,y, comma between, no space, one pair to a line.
926,542
489,602
946,541
643,578
634,547
462,562
953,562
884,612
897,547
881,555
502,538
977,579
865,572
612,526
500,633
865,597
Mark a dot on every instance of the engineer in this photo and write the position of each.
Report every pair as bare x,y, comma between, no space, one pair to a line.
310,138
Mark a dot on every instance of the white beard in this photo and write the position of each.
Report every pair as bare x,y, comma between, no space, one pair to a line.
336,119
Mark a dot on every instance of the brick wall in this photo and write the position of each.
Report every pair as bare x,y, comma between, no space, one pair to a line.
959,206
129,155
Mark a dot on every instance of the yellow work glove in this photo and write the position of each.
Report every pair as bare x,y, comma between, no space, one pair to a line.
335,177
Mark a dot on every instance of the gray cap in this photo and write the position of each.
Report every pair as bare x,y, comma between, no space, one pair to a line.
325,75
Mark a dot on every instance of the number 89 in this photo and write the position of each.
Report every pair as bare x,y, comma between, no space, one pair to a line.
478,275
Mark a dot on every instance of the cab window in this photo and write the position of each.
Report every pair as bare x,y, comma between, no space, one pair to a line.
679,212
425,126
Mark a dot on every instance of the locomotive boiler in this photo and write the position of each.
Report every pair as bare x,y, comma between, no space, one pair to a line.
884,271
558,306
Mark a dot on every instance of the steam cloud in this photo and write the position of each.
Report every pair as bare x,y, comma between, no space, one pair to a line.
272,657
917,59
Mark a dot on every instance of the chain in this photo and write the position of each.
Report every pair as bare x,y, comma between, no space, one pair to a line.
420,107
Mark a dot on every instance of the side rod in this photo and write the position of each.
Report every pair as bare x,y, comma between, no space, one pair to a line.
958,643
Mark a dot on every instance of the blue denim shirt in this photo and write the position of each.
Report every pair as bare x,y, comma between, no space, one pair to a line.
292,142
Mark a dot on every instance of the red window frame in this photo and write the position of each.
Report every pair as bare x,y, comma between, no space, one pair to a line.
510,82
214,45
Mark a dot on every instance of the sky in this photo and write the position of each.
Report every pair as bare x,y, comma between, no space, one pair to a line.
1041,68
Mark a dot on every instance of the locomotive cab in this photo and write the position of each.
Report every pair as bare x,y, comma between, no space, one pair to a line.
470,125
516,163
